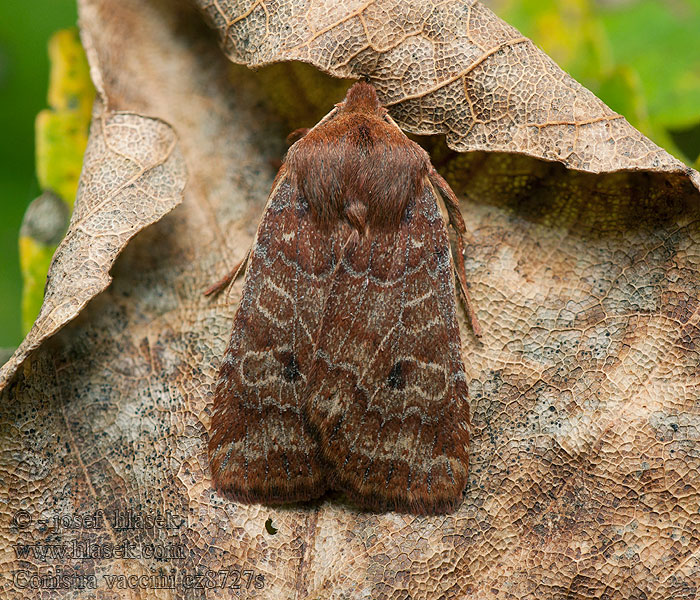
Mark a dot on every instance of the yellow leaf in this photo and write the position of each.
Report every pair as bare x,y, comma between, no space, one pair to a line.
61,138
61,131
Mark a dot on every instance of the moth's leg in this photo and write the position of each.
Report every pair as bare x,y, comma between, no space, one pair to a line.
296,135
462,279
229,277
457,222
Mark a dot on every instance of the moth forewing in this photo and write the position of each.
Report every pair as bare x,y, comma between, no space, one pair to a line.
259,446
388,386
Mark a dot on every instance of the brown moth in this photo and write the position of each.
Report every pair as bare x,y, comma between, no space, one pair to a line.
344,368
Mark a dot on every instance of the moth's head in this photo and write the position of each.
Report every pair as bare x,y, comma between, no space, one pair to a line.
362,98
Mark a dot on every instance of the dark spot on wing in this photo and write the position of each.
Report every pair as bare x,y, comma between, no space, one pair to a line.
396,379
408,212
291,369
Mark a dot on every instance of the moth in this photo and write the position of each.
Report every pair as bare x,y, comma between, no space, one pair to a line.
344,367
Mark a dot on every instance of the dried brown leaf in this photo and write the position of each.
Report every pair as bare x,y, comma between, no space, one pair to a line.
133,174
445,67
585,470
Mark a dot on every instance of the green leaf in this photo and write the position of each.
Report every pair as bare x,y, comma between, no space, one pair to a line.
645,34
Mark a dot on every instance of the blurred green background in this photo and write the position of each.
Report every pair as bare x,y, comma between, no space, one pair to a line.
642,57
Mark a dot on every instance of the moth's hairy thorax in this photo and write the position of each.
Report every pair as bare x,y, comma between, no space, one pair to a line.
358,168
